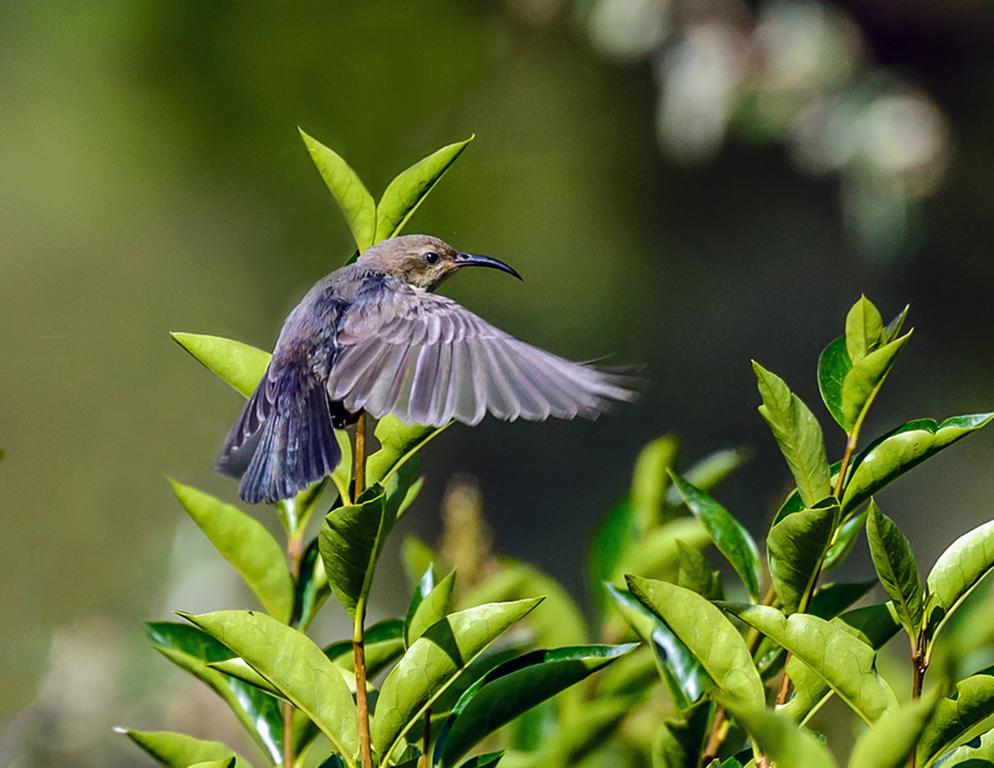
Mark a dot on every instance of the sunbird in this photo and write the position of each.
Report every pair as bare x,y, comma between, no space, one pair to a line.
372,337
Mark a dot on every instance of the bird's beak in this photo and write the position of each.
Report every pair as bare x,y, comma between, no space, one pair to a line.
476,260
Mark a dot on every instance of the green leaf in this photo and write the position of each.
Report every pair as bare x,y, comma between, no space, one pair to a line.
649,481
177,750
244,543
384,642
292,663
903,449
683,674
780,739
348,190
223,763
711,470
844,662
798,434
586,728
409,189
678,743
833,365
731,539
795,548
431,664
238,365
892,740
833,598
430,609
398,443
513,688
350,542
311,589
958,717
488,760
194,650
863,382
864,329
895,565
845,540
957,572
238,669
614,535
709,636
695,572
978,755
416,557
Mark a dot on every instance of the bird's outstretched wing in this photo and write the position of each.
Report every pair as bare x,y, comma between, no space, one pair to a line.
429,360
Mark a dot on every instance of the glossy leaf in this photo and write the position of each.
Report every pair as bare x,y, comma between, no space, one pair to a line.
958,717
194,650
431,664
294,665
903,449
864,329
798,434
416,557
795,548
240,366
709,636
487,760
729,536
833,598
238,669
678,743
957,572
398,443
408,190
586,729
244,543
657,554
230,762
892,740
432,608
177,750
311,589
833,365
384,642
864,381
845,540
650,481
978,754
611,541
844,662
348,190
683,674
513,688
695,572
895,565
350,542
780,739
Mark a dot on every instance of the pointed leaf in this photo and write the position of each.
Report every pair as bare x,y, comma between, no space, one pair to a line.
405,193
238,669
431,609
957,572
896,567
177,750
695,572
795,548
845,540
731,539
798,434
398,443
240,366
649,481
311,589
833,598
488,760
513,688
431,664
348,190
978,754
778,738
958,717
708,635
224,763
422,589
892,740
244,543
864,329
863,382
843,661
384,643
292,663
833,365
902,450
678,743
416,557
614,535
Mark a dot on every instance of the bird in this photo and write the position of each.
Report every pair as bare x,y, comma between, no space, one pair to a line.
373,336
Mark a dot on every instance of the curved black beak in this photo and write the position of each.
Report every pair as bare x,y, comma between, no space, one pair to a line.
477,260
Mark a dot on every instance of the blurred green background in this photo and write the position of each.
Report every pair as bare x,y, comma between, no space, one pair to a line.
688,183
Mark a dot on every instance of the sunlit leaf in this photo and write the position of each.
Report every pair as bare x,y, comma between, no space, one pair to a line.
650,481
244,543
798,434
729,536
678,743
843,661
977,754
896,567
416,557
398,443
432,662
893,738
864,329
292,663
903,449
833,598
845,540
431,608
957,572
348,190
311,589
177,750
833,365
408,190
487,760
513,688
864,381
610,543
795,548
384,644
708,634
230,762
958,717
240,366
695,572
780,739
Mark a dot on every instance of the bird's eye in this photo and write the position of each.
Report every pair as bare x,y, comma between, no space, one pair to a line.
431,257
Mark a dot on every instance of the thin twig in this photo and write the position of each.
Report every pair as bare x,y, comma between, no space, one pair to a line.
358,631
426,740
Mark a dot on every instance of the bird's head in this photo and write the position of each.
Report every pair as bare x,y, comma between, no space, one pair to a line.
425,261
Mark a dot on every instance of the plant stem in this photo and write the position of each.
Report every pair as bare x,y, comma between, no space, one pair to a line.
846,458
426,740
287,734
358,630
919,662
719,729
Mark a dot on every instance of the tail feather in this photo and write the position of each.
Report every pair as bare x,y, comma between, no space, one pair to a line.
283,441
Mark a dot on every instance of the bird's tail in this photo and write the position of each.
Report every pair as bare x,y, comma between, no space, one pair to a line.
283,441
